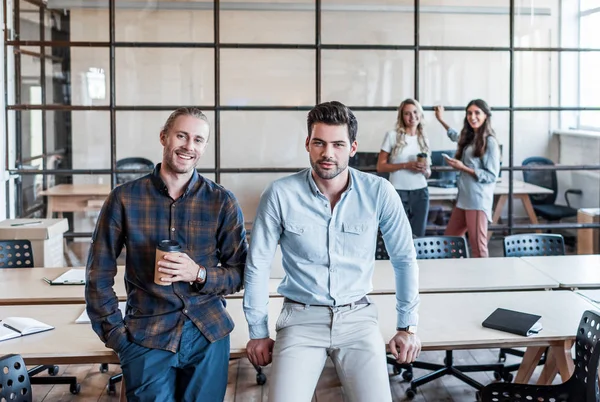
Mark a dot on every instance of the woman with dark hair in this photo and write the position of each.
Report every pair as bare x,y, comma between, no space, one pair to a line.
404,154
477,160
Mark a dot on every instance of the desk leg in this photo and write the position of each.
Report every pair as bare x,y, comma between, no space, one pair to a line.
529,209
497,212
123,395
50,207
532,356
559,360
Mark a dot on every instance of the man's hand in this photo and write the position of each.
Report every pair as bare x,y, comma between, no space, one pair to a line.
260,351
405,347
180,265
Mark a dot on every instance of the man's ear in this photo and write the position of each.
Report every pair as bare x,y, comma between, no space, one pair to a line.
163,138
353,148
306,143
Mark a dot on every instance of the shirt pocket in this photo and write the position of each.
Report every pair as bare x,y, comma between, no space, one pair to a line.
202,241
306,241
358,239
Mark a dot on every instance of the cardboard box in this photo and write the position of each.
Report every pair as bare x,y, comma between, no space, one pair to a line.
588,240
46,236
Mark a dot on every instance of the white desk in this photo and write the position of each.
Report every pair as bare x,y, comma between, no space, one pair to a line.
448,321
571,271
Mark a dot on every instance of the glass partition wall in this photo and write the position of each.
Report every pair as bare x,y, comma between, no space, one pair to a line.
89,83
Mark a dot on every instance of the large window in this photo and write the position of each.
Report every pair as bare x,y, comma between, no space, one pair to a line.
91,82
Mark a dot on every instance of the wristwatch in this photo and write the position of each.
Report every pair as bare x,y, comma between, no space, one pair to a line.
201,274
411,329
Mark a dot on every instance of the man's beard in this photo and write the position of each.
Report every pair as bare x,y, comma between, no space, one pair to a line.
329,173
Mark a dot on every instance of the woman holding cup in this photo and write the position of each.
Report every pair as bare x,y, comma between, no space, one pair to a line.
405,155
477,160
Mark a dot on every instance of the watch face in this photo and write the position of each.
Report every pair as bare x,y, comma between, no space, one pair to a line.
202,274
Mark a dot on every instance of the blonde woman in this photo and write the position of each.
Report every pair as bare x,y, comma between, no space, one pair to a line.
405,155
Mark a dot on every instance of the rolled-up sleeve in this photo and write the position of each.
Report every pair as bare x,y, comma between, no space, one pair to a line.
490,167
453,134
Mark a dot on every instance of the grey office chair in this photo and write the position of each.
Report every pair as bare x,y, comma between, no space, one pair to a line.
16,254
134,163
441,247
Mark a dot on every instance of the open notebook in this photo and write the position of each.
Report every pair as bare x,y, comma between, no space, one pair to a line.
84,319
14,327
71,277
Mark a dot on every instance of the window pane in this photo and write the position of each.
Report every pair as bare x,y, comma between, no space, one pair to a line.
455,78
367,78
267,77
444,22
537,79
247,188
276,139
386,22
590,30
589,4
90,138
280,21
537,24
164,21
158,76
138,136
80,23
89,76
372,126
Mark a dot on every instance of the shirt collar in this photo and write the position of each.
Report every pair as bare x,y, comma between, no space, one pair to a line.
315,190
162,187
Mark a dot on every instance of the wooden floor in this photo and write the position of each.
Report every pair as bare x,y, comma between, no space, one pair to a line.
242,385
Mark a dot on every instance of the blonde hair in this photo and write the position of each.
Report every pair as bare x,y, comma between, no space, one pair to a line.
401,129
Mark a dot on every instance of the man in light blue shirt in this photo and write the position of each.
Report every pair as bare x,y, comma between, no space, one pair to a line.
326,220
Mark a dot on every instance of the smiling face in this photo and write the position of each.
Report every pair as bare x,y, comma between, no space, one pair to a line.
475,117
184,143
329,149
410,116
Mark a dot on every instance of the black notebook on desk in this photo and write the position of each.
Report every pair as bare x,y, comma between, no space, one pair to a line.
514,322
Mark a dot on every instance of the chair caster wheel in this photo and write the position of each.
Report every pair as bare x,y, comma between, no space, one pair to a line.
104,368
112,390
478,396
53,370
497,375
261,379
411,393
407,376
75,389
508,377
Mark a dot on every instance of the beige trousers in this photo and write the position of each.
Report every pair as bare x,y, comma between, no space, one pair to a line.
350,336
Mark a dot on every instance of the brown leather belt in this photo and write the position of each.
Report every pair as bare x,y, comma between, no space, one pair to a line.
364,300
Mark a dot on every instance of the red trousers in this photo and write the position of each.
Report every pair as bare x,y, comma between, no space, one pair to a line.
472,221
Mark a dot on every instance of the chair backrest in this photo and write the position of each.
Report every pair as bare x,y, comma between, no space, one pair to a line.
533,244
587,355
543,178
441,247
16,254
134,163
380,250
14,380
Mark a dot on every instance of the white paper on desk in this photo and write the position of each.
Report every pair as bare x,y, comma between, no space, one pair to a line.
84,319
71,277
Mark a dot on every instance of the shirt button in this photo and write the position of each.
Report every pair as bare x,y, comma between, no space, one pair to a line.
185,311
332,270
172,229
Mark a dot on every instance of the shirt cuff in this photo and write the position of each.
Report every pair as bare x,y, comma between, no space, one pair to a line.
482,176
406,320
259,331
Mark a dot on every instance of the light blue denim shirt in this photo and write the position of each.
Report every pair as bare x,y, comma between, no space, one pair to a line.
328,256
477,193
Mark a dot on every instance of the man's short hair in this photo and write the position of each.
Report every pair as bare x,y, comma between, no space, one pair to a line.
184,111
333,113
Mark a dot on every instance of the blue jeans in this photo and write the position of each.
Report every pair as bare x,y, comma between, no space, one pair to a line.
197,372
416,206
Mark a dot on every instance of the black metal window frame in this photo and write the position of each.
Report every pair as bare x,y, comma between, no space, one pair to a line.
216,45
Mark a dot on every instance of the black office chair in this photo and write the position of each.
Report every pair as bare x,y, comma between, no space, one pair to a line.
529,245
16,254
533,244
581,387
544,204
134,163
14,381
434,247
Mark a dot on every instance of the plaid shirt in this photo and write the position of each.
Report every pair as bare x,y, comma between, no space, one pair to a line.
206,220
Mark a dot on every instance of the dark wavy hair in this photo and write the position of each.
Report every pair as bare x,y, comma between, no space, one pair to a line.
468,136
335,114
